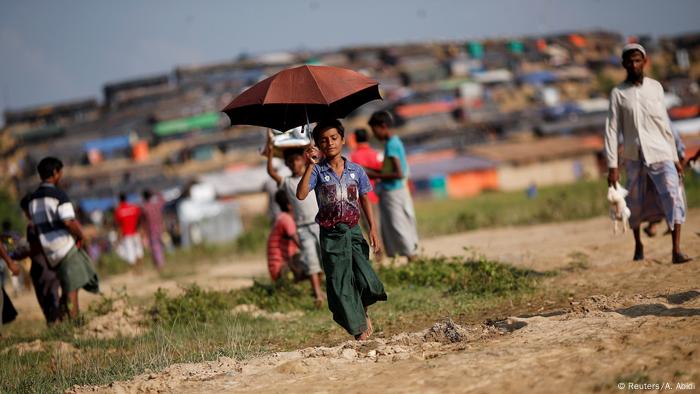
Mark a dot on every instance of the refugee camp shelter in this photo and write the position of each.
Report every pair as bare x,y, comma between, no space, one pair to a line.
544,161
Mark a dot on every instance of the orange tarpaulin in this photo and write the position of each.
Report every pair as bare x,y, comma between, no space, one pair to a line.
689,111
423,109
577,40
541,44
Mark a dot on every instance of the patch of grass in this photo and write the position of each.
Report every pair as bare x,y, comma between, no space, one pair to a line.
477,277
198,325
195,304
578,261
282,296
580,200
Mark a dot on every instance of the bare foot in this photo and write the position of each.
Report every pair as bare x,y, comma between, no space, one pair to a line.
370,330
362,336
680,258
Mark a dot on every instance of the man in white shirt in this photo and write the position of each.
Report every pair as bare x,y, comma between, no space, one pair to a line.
654,174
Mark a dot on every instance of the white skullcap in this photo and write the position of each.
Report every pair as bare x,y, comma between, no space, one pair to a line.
634,46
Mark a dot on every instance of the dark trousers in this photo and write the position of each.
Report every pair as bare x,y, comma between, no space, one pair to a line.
46,287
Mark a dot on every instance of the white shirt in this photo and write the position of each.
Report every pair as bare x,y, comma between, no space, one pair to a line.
638,111
304,210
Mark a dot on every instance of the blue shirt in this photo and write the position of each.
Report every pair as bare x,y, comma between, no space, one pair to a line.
338,197
394,148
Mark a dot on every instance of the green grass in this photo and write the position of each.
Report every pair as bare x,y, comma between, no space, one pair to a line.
581,200
197,324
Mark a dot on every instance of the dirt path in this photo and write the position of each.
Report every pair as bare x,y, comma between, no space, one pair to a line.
628,322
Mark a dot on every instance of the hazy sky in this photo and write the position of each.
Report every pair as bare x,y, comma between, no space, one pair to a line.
54,50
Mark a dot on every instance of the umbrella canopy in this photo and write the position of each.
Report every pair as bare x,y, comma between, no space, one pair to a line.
301,95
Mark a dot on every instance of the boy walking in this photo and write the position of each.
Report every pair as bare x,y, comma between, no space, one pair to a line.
60,234
398,218
341,188
304,212
44,279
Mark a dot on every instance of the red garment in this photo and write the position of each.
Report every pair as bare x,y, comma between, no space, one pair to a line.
127,217
280,246
367,157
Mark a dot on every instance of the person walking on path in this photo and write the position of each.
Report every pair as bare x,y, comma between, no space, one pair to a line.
153,226
341,188
60,235
654,173
398,218
304,212
127,216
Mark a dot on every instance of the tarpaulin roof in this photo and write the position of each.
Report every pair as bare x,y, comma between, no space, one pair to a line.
207,120
40,133
538,77
108,144
97,204
450,166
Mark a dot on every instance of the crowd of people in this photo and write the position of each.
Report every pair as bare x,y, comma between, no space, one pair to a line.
320,235
328,234
55,244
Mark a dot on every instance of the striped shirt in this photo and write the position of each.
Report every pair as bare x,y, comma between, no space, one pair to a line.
49,207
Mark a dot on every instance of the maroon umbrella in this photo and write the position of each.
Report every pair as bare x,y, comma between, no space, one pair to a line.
301,95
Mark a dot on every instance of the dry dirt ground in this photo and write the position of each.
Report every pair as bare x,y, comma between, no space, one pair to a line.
629,323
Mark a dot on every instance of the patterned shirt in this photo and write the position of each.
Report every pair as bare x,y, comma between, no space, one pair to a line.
49,207
339,197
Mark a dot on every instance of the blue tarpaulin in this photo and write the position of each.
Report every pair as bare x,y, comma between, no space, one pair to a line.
109,144
103,204
538,77
97,204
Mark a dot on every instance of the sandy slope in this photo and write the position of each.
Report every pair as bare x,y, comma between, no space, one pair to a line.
629,321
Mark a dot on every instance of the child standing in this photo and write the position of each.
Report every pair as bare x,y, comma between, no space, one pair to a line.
395,204
304,213
341,188
282,243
